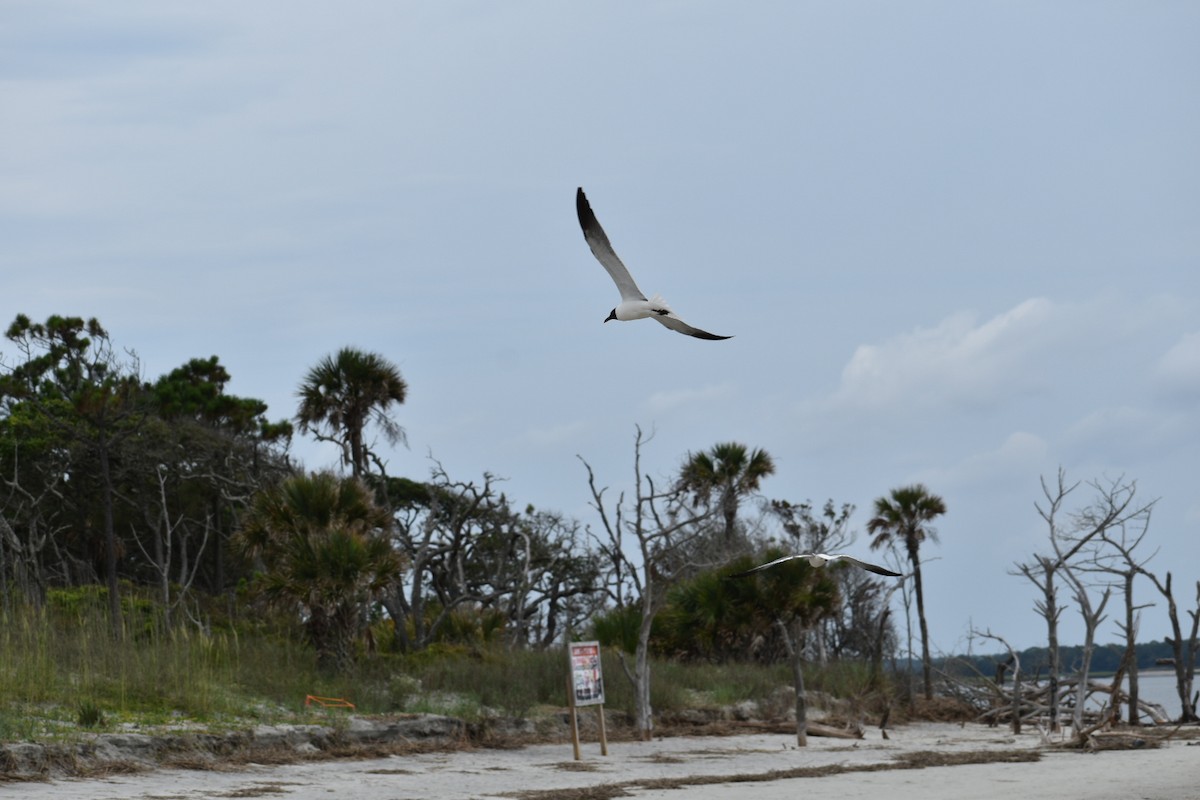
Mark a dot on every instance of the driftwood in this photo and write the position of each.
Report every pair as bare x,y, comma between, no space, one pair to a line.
1122,740
813,729
997,705
817,729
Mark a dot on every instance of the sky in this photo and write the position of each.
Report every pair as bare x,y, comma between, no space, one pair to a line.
955,243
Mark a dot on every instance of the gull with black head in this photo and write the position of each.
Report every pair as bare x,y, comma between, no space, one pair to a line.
634,304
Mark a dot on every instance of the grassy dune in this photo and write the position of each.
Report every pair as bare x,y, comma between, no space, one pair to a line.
62,671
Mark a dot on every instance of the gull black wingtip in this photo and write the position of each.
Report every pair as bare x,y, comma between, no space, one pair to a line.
582,209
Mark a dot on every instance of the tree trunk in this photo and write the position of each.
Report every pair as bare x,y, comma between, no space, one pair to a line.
1131,665
393,602
358,460
1189,672
1051,614
642,711
1091,620
161,557
218,550
110,541
876,681
4,595
793,645
926,665
332,636
729,509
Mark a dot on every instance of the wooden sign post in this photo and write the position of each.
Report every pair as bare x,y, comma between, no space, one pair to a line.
585,687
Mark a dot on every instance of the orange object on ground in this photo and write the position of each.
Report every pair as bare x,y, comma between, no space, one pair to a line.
328,702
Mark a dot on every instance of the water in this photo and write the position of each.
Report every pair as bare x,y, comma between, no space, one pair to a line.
1154,686
1158,686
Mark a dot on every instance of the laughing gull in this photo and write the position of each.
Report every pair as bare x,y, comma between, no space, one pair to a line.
820,560
634,304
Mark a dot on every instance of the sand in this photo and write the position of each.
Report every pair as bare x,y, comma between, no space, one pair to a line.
750,767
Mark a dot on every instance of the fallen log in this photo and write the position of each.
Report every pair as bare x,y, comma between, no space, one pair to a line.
813,729
817,729
1123,740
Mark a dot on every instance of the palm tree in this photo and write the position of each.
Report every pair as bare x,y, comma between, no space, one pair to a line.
904,519
325,552
345,392
732,471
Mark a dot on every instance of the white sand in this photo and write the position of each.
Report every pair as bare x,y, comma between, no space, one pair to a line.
1169,773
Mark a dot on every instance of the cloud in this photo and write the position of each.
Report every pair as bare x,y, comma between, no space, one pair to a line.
1178,369
954,362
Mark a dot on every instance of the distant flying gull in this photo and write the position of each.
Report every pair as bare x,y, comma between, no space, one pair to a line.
634,304
820,560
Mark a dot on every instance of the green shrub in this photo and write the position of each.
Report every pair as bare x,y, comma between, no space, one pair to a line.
89,715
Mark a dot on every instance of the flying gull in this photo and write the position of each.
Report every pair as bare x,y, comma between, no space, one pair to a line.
820,560
634,304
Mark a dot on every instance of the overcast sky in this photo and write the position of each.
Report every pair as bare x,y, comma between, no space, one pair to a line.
956,243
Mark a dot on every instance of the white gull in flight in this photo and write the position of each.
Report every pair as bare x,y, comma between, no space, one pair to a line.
634,304
820,560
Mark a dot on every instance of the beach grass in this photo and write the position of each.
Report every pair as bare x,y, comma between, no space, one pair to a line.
63,671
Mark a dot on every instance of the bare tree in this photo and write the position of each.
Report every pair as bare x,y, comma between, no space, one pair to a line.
1014,658
467,548
171,535
34,508
438,527
1124,540
1184,649
658,525
553,579
1093,615
1069,533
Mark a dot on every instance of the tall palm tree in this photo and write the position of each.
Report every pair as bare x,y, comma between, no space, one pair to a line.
346,391
731,471
905,519
325,552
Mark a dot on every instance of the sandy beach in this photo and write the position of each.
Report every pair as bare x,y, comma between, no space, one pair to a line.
918,762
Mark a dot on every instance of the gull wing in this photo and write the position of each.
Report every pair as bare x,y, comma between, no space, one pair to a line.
767,565
878,570
604,253
676,324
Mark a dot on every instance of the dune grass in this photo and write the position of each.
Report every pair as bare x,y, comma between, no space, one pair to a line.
62,671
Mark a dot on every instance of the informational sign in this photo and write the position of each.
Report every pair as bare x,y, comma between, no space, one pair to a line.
586,679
